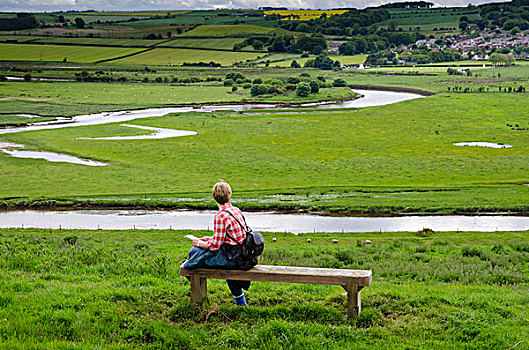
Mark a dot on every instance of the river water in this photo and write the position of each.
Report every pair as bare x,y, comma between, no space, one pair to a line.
262,221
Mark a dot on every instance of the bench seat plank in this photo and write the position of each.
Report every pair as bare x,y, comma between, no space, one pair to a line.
287,274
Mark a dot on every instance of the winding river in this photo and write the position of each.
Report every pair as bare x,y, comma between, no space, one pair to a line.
368,98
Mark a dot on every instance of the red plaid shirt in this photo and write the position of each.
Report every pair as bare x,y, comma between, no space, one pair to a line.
224,222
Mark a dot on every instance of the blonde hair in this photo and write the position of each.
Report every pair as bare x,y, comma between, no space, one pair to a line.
221,192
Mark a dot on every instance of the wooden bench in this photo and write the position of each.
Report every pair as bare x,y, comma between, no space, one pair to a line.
351,280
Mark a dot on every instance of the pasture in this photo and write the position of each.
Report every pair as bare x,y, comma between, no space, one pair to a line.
58,53
226,30
121,289
169,57
205,43
366,162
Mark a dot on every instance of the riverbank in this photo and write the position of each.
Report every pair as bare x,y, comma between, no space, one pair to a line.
111,289
255,205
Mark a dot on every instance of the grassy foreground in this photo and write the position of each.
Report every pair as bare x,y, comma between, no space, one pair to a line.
121,289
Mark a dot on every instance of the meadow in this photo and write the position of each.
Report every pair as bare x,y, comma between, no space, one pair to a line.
121,289
163,56
368,166
227,30
58,53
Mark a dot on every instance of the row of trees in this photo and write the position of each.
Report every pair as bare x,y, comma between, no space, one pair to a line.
20,22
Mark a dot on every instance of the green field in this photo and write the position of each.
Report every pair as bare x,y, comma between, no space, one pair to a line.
210,43
57,53
121,289
358,149
227,30
179,56
102,41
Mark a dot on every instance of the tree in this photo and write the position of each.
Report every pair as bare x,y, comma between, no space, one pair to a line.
392,25
61,19
303,27
303,90
258,45
339,83
79,23
169,34
463,26
295,64
499,58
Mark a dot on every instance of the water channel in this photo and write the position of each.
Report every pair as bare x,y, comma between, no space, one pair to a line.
262,221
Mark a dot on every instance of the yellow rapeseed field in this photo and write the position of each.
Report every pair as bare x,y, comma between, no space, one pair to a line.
303,15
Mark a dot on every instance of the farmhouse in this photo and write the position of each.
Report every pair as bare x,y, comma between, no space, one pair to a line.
334,46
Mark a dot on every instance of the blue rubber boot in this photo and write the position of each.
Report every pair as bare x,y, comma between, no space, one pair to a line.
240,300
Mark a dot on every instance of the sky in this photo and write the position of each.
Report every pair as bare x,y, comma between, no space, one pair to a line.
134,5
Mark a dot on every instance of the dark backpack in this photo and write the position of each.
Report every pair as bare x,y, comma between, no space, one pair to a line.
247,252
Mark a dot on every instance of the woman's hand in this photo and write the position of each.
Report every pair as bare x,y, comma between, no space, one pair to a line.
199,243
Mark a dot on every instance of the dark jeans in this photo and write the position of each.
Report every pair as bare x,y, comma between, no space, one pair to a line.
236,287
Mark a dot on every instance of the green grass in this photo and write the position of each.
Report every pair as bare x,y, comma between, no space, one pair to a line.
179,56
102,41
20,120
121,289
210,43
56,53
226,30
101,96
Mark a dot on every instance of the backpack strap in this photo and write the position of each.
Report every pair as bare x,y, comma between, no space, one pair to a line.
245,227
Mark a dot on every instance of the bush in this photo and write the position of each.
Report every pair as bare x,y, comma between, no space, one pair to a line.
234,88
295,64
314,87
234,76
228,82
305,75
257,81
339,83
259,89
303,90
246,85
273,82
293,80
304,55
186,81
425,232
27,77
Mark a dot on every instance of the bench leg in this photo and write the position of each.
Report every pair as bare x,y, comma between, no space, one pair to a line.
199,289
353,299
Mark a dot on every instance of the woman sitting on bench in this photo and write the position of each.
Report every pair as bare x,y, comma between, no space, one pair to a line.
227,227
